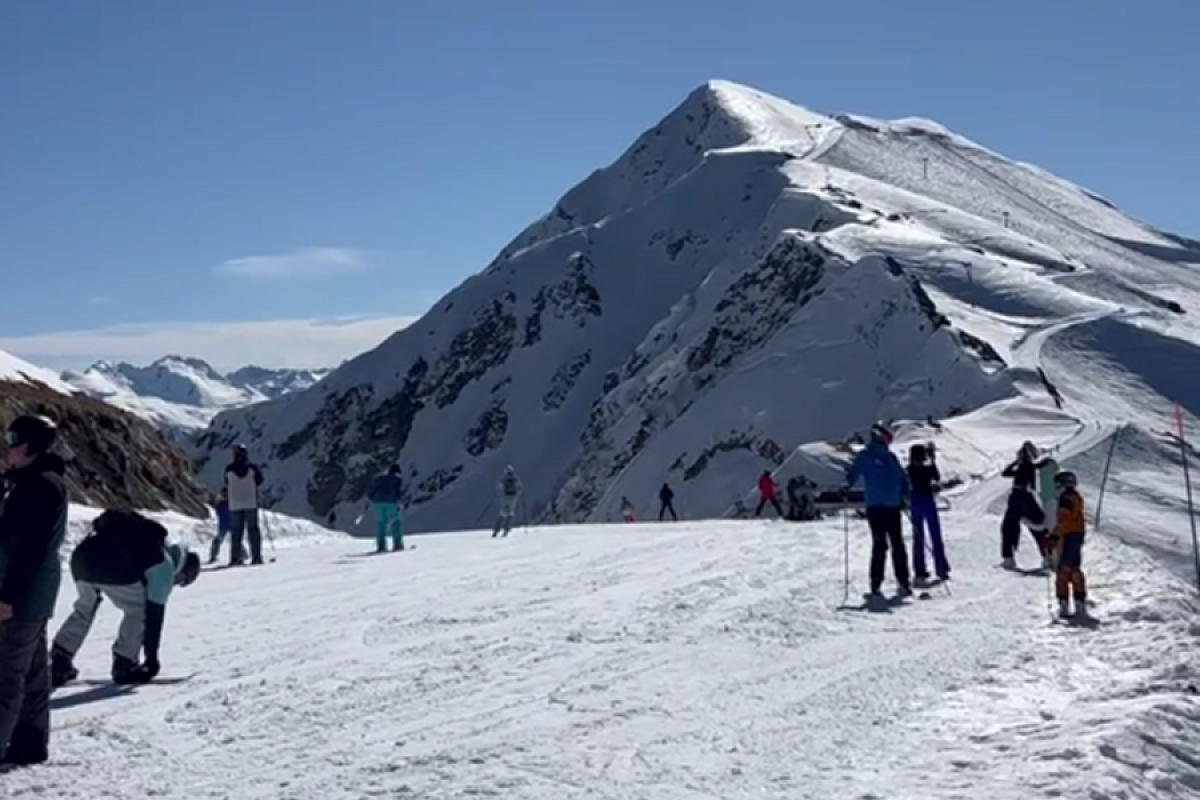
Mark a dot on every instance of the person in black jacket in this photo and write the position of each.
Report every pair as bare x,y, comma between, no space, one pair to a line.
1023,506
33,525
925,481
666,499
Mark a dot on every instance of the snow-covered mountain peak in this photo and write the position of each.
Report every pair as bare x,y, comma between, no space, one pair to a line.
748,281
184,392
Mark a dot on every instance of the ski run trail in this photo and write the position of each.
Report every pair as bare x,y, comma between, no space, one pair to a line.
688,660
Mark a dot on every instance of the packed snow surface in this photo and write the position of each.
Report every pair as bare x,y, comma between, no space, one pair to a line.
706,659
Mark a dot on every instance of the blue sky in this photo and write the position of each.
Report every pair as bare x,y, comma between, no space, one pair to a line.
147,143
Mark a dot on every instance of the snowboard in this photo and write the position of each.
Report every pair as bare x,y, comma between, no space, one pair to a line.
161,680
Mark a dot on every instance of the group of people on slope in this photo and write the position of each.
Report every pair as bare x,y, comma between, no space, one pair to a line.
889,488
125,558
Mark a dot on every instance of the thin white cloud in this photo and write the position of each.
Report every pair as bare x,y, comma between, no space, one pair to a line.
296,343
308,262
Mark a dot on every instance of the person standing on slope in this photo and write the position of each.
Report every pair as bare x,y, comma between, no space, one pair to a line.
666,500
127,559
33,525
224,526
885,486
242,482
925,482
1023,508
1066,544
386,495
627,512
767,493
509,489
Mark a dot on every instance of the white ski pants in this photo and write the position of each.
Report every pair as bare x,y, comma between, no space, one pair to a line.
130,600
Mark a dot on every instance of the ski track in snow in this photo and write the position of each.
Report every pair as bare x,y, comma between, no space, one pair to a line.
691,660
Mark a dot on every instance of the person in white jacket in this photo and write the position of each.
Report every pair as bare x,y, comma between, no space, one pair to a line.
242,482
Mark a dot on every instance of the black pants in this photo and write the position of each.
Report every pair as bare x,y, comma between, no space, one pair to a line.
1022,508
667,508
245,524
763,501
24,692
887,532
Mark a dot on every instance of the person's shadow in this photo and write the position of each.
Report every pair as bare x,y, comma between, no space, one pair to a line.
93,694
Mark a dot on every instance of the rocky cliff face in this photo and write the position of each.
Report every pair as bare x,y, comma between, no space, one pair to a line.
113,457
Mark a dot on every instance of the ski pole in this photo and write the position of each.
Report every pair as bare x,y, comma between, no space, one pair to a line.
845,551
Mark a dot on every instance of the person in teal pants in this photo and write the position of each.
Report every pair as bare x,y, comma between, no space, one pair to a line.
386,495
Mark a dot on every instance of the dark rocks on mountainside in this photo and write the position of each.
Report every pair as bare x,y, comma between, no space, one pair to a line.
760,302
488,431
981,348
113,457
767,449
564,379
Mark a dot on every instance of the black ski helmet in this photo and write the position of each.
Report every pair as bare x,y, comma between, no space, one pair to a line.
881,432
36,431
917,453
1066,480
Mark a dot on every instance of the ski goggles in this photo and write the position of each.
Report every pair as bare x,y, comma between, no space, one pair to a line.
13,439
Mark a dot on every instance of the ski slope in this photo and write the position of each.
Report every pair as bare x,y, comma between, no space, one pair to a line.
690,660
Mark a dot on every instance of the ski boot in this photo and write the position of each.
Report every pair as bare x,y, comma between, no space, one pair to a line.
1064,609
124,670
62,668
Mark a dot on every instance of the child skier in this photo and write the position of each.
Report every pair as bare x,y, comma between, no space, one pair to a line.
627,512
1067,544
924,480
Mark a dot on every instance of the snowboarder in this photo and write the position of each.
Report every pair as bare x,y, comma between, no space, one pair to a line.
885,487
1066,544
509,489
666,499
925,482
386,495
242,482
626,509
1023,507
33,525
126,558
224,526
767,493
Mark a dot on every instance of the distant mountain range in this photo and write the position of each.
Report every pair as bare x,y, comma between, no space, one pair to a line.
183,394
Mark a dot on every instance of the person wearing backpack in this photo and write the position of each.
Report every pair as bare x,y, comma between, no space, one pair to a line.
386,495
509,490
127,559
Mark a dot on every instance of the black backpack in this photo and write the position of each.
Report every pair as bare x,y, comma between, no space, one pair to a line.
123,544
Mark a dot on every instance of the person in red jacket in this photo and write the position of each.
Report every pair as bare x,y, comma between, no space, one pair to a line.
767,491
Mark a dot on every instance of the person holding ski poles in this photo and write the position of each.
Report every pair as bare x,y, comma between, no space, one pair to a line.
885,487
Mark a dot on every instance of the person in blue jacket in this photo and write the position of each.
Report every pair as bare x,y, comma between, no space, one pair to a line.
386,494
224,528
127,559
885,490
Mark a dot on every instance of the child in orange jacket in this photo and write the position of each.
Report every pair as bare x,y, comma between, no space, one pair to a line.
1067,546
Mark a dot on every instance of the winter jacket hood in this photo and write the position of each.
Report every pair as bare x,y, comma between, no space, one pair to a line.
885,483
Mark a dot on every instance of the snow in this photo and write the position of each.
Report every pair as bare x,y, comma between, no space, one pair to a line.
184,394
699,659
16,369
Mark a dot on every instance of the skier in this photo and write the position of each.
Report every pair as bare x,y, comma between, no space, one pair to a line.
126,558
1067,546
509,489
224,526
767,493
386,496
885,486
1023,507
242,482
924,480
626,509
666,499
33,524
